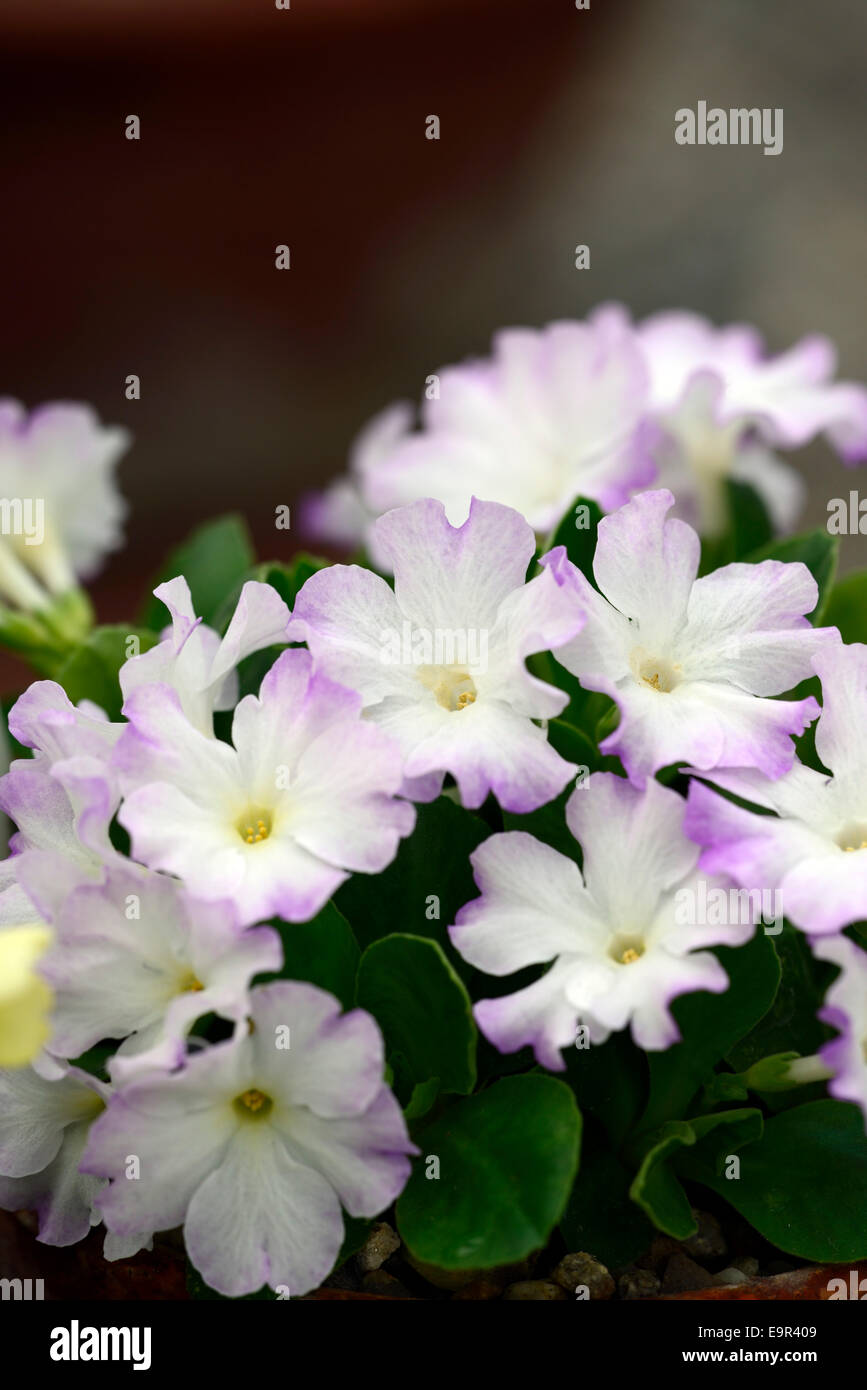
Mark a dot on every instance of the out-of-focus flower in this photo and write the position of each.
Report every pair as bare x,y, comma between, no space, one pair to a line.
440,660
814,850
621,937
255,1144
25,998
62,510
551,415
691,662
723,406
846,1010
45,1114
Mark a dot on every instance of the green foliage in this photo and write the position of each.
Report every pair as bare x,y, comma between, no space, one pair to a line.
424,1012
212,560
91,671
803,1185
507,1161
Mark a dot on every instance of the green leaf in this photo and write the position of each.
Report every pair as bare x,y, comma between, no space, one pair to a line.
803,1185
425,884
322,952
769,1075
423,1010
600,1217
423,1098
212,560
288,579
507,1160
577,530
790,1022
710,1026
90,673
657,1189
748,526
610,1083
815,549
46,639
847,607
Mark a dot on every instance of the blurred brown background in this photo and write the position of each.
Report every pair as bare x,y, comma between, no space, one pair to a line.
307,127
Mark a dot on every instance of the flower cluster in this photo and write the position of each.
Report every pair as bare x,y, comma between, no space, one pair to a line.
614,726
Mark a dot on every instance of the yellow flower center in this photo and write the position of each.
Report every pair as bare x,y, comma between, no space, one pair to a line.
255,826
626,948
253,1104
452,686
853,837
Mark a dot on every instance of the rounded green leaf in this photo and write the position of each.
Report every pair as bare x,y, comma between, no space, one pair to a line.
803,1185
847,607
423,1010
506,1162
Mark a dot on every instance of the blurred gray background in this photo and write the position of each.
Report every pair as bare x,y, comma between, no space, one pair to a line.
307,127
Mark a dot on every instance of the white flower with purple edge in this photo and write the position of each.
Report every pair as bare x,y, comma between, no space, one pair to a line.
62,458
45,1114
195,660
275,821
845,1009
552,414
723,405
692,663
257,1142
471,718
615,934
136,958
814,849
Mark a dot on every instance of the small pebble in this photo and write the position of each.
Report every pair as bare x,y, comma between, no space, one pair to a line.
662,1247
535,1291
731,1276
683,1275
381,1282
708,1243
480,1290
638,1283
748,1264
342,1278
380,1244
581,1268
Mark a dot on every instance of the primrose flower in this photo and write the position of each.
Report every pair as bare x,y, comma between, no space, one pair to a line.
691,663
814,850
63,813
723,406
195,661
45,1115
57,480
439,661
846,1010
255,1144
275,822
25,999
44,719
136,958
552,414
621,937
62,799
